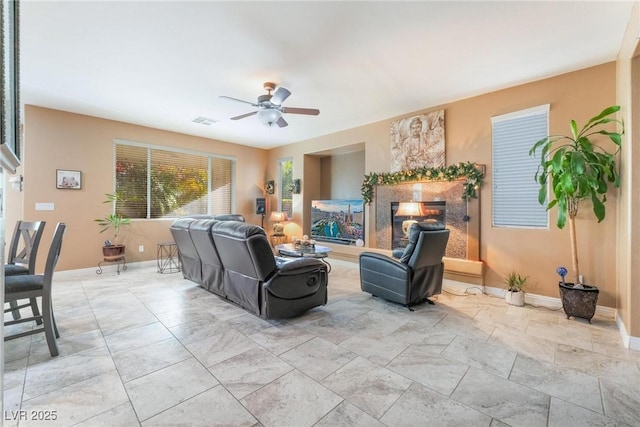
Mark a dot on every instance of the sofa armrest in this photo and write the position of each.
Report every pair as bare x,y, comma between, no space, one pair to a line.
382,264
300,266
385,277
298,278
280,261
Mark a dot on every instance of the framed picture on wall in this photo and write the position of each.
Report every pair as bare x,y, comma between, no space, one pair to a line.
68,180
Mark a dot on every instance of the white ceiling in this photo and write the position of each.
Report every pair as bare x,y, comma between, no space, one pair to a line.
161,64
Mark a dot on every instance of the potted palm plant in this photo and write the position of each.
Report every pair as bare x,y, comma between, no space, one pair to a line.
114,221
515,282
578,169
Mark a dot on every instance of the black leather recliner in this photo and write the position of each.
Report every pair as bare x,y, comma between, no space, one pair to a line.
418,272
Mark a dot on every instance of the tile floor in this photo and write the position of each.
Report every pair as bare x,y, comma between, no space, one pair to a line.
156,350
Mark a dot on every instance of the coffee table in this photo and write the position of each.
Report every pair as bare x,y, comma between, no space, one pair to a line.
318,251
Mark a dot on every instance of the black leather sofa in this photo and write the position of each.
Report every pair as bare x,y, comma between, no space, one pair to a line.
234,260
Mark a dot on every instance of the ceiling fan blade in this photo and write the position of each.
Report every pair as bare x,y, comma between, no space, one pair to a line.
280,95
239,100
282,122
242,116
308,111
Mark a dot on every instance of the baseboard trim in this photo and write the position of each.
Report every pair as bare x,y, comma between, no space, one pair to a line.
628,341
529,298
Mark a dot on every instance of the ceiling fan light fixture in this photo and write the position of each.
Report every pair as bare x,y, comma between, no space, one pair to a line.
269,116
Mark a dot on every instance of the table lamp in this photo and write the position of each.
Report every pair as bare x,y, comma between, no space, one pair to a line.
278,228
409,209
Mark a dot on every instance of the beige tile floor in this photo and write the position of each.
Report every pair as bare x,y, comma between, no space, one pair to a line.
156,350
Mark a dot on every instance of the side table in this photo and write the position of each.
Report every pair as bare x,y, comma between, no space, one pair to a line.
168,260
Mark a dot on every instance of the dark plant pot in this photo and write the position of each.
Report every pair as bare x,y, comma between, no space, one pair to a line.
579,302
113,252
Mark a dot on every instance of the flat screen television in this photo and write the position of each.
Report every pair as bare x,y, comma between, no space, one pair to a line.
337,220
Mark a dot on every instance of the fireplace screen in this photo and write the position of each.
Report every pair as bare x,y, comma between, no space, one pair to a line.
434,211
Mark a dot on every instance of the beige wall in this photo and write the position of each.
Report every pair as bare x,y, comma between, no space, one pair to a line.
536,253
341,176
60,140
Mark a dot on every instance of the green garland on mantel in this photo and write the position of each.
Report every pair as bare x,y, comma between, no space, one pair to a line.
471,171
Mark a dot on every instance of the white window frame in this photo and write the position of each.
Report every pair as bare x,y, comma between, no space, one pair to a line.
513,175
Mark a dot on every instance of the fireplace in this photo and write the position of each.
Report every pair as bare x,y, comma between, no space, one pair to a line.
447,192
432,211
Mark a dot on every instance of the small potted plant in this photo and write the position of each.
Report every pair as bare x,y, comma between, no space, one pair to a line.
577,169
112,249
515,282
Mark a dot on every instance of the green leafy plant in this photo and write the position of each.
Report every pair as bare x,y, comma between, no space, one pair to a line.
515,281
113,221
577,169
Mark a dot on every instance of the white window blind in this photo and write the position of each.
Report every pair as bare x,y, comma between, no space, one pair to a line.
515,191
167,183
179,184
221,186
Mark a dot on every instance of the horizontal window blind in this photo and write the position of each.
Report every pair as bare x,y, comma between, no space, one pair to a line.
179,184
515,191
131,180
168,183
221,186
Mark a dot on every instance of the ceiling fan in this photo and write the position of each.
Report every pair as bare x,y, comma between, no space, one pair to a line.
270,107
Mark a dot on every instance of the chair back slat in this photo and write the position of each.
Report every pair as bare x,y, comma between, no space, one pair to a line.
54,254
25,243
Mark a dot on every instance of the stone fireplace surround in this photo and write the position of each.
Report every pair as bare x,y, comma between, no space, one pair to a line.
463,240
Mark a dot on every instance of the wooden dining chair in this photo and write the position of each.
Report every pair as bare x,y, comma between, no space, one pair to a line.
22,257
32,286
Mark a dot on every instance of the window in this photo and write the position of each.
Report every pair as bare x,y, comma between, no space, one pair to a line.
515,191
285,172
167,183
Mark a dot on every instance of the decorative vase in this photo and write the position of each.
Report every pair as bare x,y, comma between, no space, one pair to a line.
514,298
579,302
113,252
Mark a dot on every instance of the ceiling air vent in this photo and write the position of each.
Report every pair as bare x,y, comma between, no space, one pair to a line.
204,121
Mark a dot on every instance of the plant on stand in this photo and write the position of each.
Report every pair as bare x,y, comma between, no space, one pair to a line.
578,169
113,222
516,283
